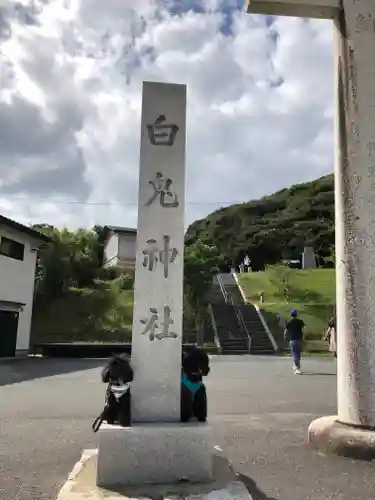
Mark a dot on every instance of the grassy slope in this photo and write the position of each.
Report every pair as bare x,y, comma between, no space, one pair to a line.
89,316
311,293
103,314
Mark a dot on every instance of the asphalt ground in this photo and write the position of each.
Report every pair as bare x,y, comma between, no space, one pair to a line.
259,410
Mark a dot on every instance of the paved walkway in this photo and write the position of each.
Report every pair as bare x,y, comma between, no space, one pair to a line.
260,412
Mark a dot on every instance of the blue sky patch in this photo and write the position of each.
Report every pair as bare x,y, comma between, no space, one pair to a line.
178,7
228,8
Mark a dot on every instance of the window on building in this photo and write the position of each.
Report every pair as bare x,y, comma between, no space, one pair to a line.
11,248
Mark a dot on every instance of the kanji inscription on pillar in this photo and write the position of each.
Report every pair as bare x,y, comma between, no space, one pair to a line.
156,329
162,133
162,191
158,287
154,254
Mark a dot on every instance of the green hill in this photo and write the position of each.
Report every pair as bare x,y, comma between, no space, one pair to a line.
310,292
275,227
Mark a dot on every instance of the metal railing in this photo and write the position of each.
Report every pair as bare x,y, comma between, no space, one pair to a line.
230,301
214,326
241,322
222,288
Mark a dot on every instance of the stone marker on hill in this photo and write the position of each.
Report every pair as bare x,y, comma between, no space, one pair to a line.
308,258
352,431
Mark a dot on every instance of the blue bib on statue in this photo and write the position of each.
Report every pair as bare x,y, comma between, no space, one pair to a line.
192,386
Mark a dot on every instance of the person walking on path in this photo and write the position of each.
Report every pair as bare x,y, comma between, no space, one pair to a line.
330,335
294,334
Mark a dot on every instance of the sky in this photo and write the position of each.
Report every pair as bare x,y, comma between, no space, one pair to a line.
259,110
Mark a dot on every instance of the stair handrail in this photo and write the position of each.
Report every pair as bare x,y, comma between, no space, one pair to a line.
240,321
230,301
222,288
214,326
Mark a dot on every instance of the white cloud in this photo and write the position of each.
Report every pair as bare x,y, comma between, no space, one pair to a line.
259,103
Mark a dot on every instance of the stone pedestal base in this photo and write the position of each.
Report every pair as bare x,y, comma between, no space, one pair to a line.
154,454
226,484
329,436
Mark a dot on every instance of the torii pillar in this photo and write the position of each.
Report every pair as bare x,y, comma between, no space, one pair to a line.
352,431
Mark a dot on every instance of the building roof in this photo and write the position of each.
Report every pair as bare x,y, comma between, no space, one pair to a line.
119,229
4,221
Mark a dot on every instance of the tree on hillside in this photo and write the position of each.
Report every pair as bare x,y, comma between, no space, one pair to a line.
75,297
201,263
71,259
274,226
101,235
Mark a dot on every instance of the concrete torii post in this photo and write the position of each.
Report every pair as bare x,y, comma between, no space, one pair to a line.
352,431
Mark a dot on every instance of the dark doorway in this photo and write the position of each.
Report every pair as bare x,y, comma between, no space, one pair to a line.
8,333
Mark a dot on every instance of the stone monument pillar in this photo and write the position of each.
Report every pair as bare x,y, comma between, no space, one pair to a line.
308,258
158,448
158,293
355,235
355,213
352,431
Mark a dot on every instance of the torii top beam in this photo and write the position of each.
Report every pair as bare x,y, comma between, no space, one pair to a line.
319,9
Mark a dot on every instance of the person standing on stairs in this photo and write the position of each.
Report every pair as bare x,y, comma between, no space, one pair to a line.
294,334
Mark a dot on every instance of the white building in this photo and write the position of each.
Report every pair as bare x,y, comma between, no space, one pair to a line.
120,247
18,253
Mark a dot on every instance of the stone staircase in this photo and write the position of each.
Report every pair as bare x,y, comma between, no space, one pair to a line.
260,341
230,329
216,295
231,288
231,336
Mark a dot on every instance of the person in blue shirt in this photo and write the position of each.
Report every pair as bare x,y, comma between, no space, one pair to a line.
294,334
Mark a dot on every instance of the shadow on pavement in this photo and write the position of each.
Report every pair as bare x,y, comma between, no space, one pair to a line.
320,374
226,472
253,489
20,370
